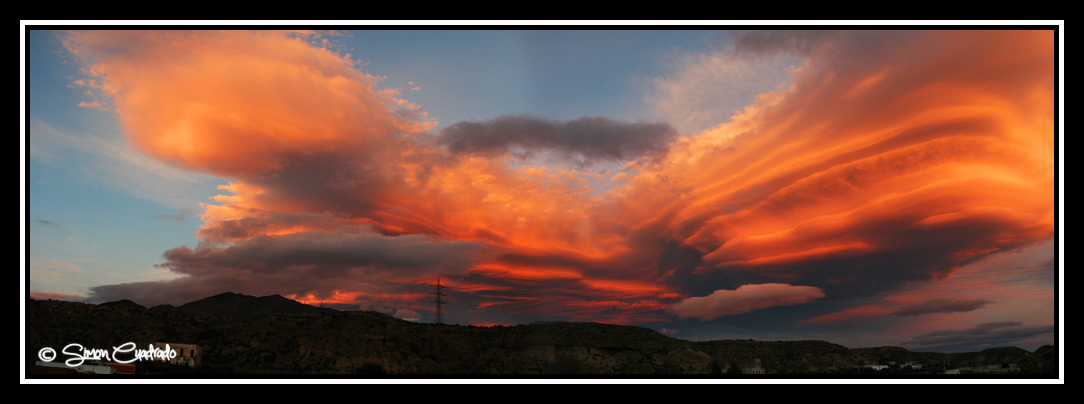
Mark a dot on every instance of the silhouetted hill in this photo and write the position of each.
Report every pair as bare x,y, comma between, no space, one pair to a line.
165,307
123,304
235,305
1046,349
991,356
273,334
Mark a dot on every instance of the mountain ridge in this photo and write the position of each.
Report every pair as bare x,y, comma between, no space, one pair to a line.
241,306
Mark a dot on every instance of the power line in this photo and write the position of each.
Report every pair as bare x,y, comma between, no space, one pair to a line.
439,302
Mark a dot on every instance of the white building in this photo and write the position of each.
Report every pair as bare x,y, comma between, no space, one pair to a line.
755,370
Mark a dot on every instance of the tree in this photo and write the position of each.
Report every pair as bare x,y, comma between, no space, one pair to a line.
715,368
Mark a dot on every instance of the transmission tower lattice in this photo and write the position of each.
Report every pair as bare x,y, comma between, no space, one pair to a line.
440,314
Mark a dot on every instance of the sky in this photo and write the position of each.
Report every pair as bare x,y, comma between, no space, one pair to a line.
866,188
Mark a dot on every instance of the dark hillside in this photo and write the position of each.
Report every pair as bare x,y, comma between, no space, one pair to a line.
246,334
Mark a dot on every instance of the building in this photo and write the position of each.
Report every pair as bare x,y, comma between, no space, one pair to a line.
186,354
752,370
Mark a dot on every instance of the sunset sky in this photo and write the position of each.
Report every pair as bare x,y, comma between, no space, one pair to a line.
866,188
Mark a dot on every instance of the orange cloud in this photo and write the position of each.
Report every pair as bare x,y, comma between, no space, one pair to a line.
96,105
851,313
744,299
235,103
893,155
860,155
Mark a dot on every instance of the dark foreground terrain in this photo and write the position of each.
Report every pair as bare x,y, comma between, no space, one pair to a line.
275,335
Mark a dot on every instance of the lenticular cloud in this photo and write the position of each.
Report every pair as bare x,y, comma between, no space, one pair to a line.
744,299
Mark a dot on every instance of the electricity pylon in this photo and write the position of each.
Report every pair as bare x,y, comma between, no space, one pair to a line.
440,315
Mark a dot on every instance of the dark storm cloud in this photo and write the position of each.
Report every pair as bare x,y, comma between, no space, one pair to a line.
299,263
324,251
905,254
593,137
264,222
982,336
341,181
942,306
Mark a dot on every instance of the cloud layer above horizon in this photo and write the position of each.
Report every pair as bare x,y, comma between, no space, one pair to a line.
891,157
